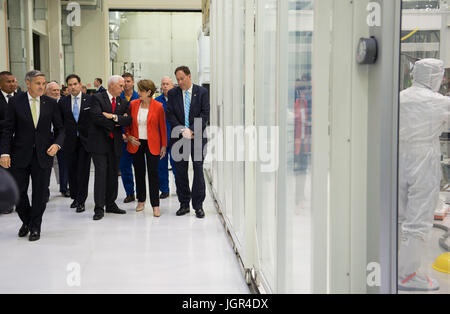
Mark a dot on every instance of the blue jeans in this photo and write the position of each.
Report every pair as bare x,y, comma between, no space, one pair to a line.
126,170
163,171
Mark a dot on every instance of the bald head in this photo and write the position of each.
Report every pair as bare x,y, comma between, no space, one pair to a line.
53,90
166,85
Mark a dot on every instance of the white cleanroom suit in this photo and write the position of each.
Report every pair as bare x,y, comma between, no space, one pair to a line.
423,118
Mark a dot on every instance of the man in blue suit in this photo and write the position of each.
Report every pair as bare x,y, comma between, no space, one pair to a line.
163,166
188,109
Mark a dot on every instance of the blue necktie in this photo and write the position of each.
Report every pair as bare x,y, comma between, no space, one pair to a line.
76,110
187,108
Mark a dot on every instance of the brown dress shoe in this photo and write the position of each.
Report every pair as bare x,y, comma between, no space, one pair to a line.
129,199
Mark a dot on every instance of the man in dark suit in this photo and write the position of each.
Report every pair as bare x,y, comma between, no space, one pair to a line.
59,164
109,113
9,193
28,148
7,88
188,113
98,85
75,110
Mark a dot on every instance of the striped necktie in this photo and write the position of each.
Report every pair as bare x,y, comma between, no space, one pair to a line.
187,108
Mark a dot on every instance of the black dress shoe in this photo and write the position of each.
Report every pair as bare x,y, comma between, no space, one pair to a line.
23,232
98,216
200,213
116,210
129,199
183,211
164,195
66,194
9,211
74,204
80,208
34,236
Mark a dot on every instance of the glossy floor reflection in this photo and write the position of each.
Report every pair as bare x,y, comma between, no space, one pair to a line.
132,253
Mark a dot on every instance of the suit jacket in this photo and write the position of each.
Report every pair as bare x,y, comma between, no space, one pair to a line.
3,106
199,109
156,127
20,137
101,89
101,127
162,100
74,129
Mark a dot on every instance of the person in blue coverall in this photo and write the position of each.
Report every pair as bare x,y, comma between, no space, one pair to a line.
163,166
126,160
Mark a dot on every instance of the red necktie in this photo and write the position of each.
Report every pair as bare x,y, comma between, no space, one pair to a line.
113,103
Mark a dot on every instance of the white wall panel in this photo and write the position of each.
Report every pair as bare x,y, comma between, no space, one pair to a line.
89,50
156,4
160,42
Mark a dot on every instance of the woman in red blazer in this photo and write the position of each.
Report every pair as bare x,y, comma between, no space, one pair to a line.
147,141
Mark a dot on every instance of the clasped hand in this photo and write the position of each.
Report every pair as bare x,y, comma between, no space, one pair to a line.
188,134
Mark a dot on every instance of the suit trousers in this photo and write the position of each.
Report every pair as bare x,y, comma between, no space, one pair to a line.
163,171
31,214
79,164
140,159
106,179
198,192
63,171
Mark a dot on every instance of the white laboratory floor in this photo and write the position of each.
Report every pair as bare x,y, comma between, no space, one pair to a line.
132,253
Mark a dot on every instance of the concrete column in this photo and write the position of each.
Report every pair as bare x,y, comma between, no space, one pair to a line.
17,47
55,42
28,16
4,59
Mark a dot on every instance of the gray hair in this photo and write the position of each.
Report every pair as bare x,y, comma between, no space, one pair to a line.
49,85
167,78
114,80
32,74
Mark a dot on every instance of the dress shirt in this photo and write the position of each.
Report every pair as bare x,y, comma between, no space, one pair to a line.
6,96
79,100
142,123
111,97
38,106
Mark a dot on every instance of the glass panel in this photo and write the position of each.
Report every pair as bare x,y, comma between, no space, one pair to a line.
239,121
266,115
298,150
298,193
424,159
228,105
